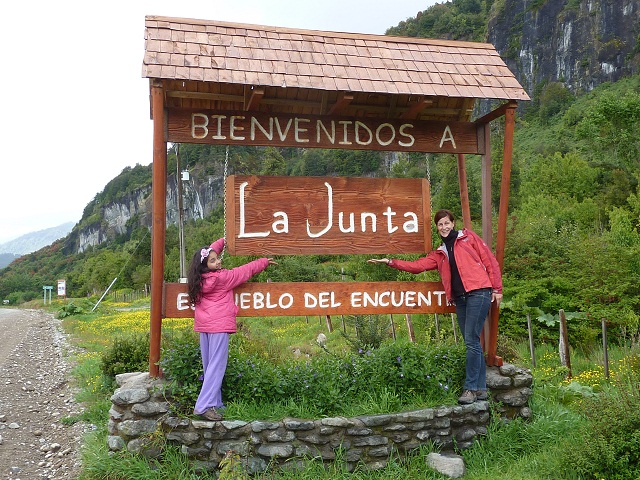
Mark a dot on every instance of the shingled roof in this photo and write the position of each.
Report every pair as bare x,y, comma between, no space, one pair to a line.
415,70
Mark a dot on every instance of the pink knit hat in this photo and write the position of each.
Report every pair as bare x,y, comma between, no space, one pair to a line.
218,245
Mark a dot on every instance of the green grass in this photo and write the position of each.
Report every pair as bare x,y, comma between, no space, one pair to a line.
545,447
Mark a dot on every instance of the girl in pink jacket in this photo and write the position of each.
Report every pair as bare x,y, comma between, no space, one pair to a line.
211,294
472,281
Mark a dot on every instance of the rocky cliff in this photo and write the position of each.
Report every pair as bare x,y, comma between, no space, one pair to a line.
581,43
200,197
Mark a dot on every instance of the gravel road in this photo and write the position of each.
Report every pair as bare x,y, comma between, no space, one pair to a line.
35,395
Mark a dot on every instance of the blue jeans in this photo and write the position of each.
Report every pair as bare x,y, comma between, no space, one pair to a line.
472,309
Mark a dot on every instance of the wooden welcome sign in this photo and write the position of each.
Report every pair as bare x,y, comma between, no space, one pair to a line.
284,299
269,216
321,131
327,215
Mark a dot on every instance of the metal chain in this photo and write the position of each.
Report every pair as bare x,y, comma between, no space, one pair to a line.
426,155
224,200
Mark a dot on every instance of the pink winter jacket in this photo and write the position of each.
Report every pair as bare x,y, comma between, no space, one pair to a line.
216,312
477,266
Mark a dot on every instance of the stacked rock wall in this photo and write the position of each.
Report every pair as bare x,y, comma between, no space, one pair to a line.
141,421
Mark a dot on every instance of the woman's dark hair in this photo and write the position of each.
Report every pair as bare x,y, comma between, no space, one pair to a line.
194,277
440,214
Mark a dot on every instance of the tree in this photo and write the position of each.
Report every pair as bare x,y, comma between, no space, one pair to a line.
611,128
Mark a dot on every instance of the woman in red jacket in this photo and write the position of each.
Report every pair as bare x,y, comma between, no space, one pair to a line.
211,294
472,280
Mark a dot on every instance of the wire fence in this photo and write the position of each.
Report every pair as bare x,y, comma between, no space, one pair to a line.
126,296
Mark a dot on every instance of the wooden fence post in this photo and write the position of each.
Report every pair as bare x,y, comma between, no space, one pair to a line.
605,348
412,335
393,328
329,324
565,357
531,347
453,325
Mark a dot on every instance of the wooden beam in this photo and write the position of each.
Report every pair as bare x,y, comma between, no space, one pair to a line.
509,127
393,104
388,110
498,112
464,191
205,96
414,110
505,183
323,102
158,227
484,132
254,98
344,99
467,109
486,193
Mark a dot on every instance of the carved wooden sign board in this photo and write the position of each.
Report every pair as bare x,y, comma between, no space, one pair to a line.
269,216
285,299
326,215
315,131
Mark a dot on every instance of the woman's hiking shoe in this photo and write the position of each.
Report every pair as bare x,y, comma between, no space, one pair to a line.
211,415
467,397
481,394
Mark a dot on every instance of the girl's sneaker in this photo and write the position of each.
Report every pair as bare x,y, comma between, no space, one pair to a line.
211,415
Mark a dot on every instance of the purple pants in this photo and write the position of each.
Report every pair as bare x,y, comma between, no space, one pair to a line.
215,353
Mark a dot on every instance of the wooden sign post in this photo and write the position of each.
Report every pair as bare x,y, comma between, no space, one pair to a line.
325,215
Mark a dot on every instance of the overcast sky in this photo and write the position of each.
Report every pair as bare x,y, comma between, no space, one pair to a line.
75,108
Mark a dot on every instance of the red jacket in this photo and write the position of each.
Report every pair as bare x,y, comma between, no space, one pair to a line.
216,312
477,266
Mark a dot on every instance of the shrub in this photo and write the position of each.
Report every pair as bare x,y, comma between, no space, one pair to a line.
371,330
126,354
611,445
327,384
70,309
16,298
181,363
507,348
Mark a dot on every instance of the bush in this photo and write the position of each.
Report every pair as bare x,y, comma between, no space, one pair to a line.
70,309
126,354
181,363
507,348
327,384
611,445
371,330
16,298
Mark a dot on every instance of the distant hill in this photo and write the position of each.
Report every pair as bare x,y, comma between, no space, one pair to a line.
32,242
7,258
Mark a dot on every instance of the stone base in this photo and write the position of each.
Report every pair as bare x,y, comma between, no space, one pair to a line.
141,421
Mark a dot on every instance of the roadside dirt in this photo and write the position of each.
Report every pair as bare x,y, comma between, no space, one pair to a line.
36,395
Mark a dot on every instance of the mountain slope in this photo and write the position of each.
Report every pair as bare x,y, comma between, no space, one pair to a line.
34,241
